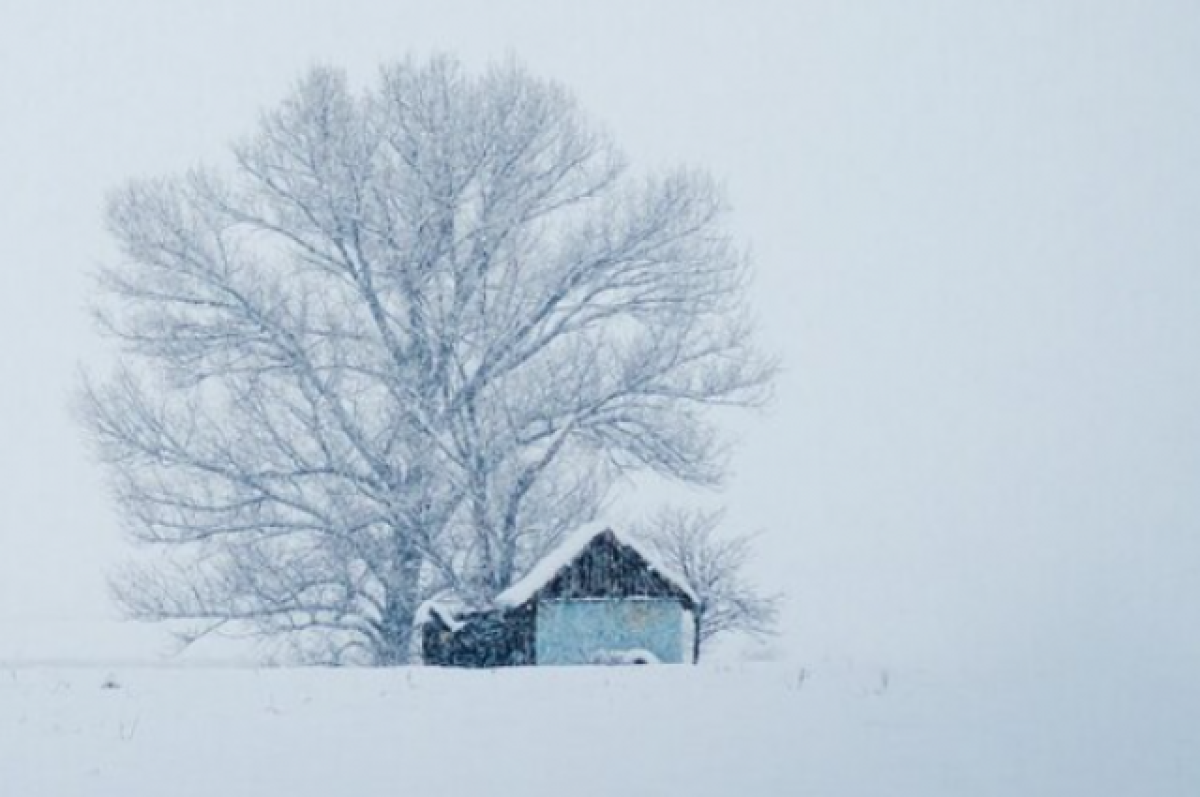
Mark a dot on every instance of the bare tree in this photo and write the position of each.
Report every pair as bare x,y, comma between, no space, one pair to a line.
403,342
689,542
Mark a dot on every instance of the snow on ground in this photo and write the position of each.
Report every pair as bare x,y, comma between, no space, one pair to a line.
738,730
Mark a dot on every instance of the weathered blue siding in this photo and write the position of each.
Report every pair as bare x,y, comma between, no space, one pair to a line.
574,631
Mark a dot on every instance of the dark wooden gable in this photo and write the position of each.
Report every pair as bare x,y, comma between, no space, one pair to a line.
607,568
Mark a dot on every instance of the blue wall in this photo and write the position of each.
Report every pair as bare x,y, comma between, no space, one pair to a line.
574,631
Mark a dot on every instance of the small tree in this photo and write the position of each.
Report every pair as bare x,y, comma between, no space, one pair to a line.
689,541
408,340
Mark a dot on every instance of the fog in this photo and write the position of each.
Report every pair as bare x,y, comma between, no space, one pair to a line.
976,255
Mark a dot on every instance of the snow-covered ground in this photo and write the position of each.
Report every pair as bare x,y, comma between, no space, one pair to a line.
771,729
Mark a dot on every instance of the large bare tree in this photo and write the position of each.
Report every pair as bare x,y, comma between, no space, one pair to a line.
405,340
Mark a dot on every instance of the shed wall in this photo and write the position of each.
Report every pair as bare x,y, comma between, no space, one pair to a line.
575,631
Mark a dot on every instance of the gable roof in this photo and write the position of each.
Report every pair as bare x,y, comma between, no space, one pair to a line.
570,550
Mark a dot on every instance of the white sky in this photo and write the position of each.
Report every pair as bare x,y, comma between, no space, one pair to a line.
977,253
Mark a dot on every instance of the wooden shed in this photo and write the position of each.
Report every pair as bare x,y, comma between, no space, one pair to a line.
599,598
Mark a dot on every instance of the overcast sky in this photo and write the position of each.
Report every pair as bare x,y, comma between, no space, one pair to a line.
977,254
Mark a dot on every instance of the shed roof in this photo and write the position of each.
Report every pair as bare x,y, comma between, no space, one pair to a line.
446,607
571,549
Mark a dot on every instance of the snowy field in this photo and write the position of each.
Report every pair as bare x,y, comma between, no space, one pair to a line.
769,729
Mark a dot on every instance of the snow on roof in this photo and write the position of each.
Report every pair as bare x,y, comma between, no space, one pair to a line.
445,607
567,552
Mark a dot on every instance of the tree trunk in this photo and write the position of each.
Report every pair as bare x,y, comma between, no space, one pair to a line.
400,606
395,636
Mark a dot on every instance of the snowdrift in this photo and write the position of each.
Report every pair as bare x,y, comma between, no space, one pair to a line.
756,730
